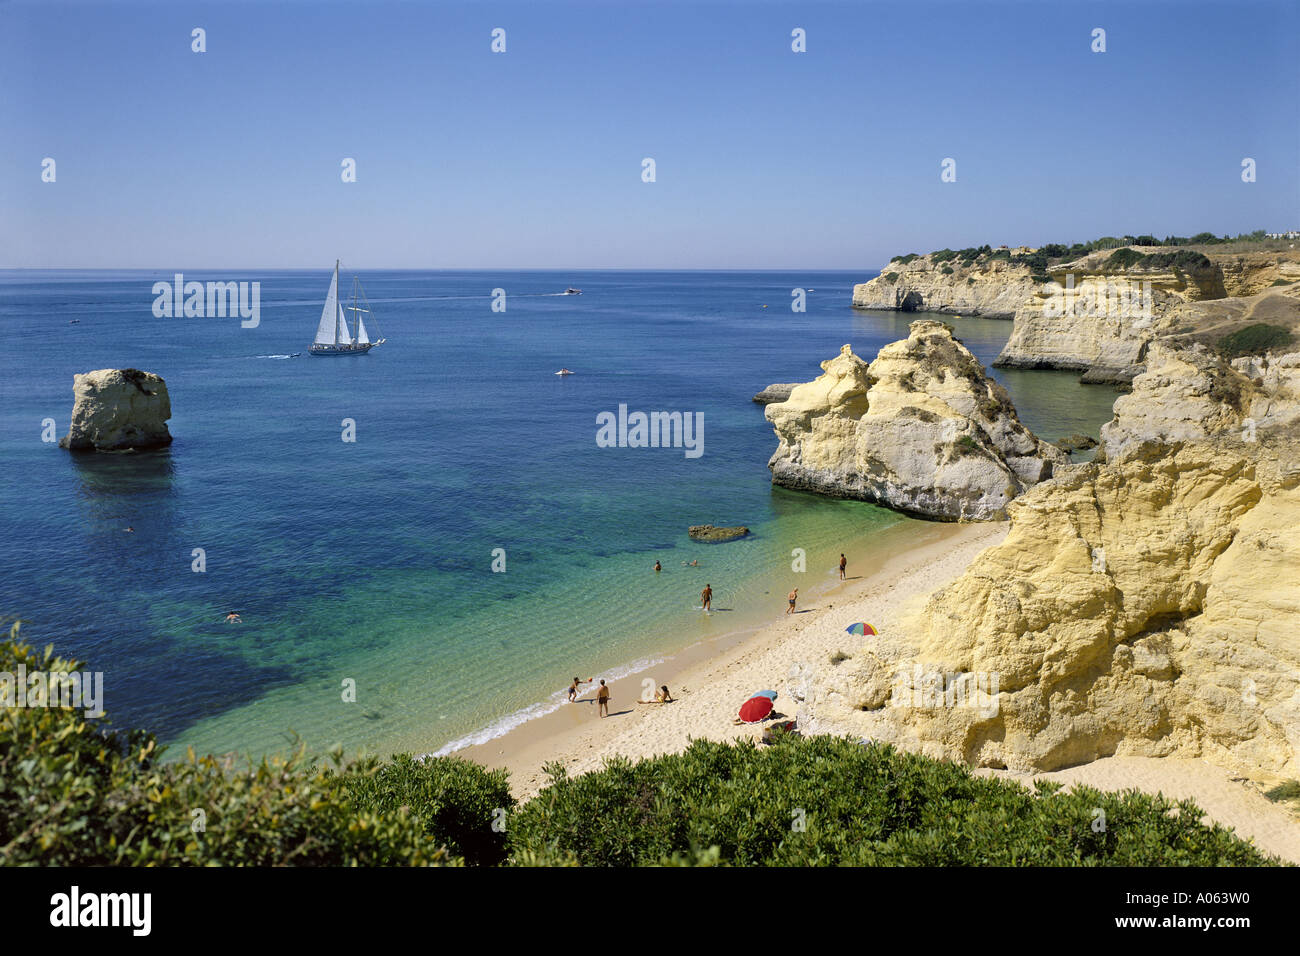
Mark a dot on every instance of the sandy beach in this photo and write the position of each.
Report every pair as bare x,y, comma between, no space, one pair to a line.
710,682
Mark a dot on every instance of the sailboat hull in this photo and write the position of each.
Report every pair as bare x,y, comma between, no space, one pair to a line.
341,349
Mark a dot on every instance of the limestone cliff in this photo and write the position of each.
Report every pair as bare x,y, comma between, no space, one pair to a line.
921,429
118,410
1147,605
991,288
1099,314
1095,313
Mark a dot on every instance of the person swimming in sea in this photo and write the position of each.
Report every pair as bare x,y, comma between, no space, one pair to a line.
233,618
691,564
658,567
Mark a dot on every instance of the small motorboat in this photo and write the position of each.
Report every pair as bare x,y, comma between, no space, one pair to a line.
564,371
572,291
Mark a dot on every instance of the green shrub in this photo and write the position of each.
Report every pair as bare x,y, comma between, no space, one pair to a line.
73,793
1254,340
865,805
943,255
947,270
910,257
1123,259
891,276
456,801
1182,259
1283,281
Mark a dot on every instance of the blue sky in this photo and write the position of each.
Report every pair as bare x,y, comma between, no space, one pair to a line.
765,158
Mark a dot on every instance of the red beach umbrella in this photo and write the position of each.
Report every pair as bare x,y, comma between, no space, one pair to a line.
755,709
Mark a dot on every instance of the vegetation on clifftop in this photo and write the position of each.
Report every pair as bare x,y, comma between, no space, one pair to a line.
1046,255
1254,340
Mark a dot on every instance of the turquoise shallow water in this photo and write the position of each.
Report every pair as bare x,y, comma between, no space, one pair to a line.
372,561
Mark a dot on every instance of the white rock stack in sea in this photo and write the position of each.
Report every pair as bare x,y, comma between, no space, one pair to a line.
118,410
921,429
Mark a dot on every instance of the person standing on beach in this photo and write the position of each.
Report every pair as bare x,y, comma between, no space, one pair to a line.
706,597
793,596
602,699
844,563
573,688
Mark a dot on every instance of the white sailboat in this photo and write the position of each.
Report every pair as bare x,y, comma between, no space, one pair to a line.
333,336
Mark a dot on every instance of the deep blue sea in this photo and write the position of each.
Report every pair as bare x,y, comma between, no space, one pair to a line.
372,560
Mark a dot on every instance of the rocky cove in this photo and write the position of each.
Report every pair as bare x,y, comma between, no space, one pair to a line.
1143,604
1097,312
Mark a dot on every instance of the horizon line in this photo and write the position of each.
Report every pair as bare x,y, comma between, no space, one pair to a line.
162,269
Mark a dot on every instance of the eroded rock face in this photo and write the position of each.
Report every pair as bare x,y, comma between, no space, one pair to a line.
1097,315
118,410
921,429
1147,606
1102,323
991,289
1192,394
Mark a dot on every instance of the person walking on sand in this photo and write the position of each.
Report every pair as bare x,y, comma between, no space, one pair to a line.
793,596
573,688
602,699
844,563
706,598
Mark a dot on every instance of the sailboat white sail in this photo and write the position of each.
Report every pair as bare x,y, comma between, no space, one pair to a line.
344,337
327,331
333,336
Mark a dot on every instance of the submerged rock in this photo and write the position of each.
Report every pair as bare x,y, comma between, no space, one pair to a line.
921,429
707,532
118,410
1077,443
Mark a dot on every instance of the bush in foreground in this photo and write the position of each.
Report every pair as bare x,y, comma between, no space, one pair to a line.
829,801
74,793
455,801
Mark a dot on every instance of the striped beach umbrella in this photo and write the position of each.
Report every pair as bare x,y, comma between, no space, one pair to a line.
862,628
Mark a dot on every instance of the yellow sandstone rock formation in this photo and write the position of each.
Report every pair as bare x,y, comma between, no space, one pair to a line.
921,429
1145,606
